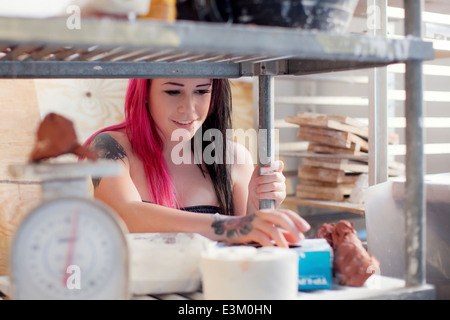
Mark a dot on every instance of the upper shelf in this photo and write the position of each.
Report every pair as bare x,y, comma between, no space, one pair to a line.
111,48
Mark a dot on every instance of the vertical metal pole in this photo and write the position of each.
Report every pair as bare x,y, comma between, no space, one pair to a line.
414,195
378,131
266,121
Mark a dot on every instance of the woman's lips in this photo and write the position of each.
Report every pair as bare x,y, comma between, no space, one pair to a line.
184,123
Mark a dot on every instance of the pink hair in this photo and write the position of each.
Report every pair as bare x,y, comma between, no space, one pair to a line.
145,141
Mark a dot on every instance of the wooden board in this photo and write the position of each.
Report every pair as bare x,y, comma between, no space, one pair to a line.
335,205
326,184
337,193
342,189
395,169
319,196
337,164
327,175
330,121
299,154
341,123
345,124
318,148
331,137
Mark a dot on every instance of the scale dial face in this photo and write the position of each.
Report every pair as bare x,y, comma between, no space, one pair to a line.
70,248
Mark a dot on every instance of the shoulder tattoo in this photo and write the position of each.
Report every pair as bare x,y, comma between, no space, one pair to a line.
106,147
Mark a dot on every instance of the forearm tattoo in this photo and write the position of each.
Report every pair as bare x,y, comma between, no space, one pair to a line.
233,227
106,147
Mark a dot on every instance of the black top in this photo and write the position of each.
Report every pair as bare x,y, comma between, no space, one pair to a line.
199,209
202,209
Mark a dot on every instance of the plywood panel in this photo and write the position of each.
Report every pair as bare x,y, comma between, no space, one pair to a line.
242,116
90,103
242,94
19,118
16,200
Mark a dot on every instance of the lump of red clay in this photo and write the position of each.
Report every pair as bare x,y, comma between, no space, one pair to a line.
353,265
56,136
342,232
326,232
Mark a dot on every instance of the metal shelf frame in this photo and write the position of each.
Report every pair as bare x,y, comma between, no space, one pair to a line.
107,48
415,257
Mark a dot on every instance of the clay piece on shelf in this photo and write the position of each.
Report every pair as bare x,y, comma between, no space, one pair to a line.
56,136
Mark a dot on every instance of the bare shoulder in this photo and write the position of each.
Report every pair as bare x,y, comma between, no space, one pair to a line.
242,160
112,145
241,155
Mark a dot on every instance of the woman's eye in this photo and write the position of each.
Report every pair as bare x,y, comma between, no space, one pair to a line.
172,92
202,92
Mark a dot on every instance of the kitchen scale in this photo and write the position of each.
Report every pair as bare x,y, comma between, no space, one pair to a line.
70,246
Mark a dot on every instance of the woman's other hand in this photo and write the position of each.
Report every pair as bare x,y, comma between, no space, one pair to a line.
271,184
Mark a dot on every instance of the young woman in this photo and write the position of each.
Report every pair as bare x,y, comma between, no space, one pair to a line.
168,185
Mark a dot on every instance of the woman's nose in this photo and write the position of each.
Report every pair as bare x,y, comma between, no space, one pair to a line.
187,105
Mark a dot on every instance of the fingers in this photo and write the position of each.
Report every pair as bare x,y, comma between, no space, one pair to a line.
274,195
275,166
300,223
272,174
289,238
271,184
262,238
268,227
289,221
271,187
247,228
273,233
270,177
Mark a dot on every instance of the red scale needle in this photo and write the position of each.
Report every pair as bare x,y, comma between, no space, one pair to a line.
72,239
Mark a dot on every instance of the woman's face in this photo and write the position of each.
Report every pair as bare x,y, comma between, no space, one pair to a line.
179,104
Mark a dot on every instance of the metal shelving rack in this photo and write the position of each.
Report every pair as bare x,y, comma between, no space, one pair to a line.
107,48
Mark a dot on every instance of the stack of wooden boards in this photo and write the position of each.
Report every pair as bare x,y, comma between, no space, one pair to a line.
337,158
